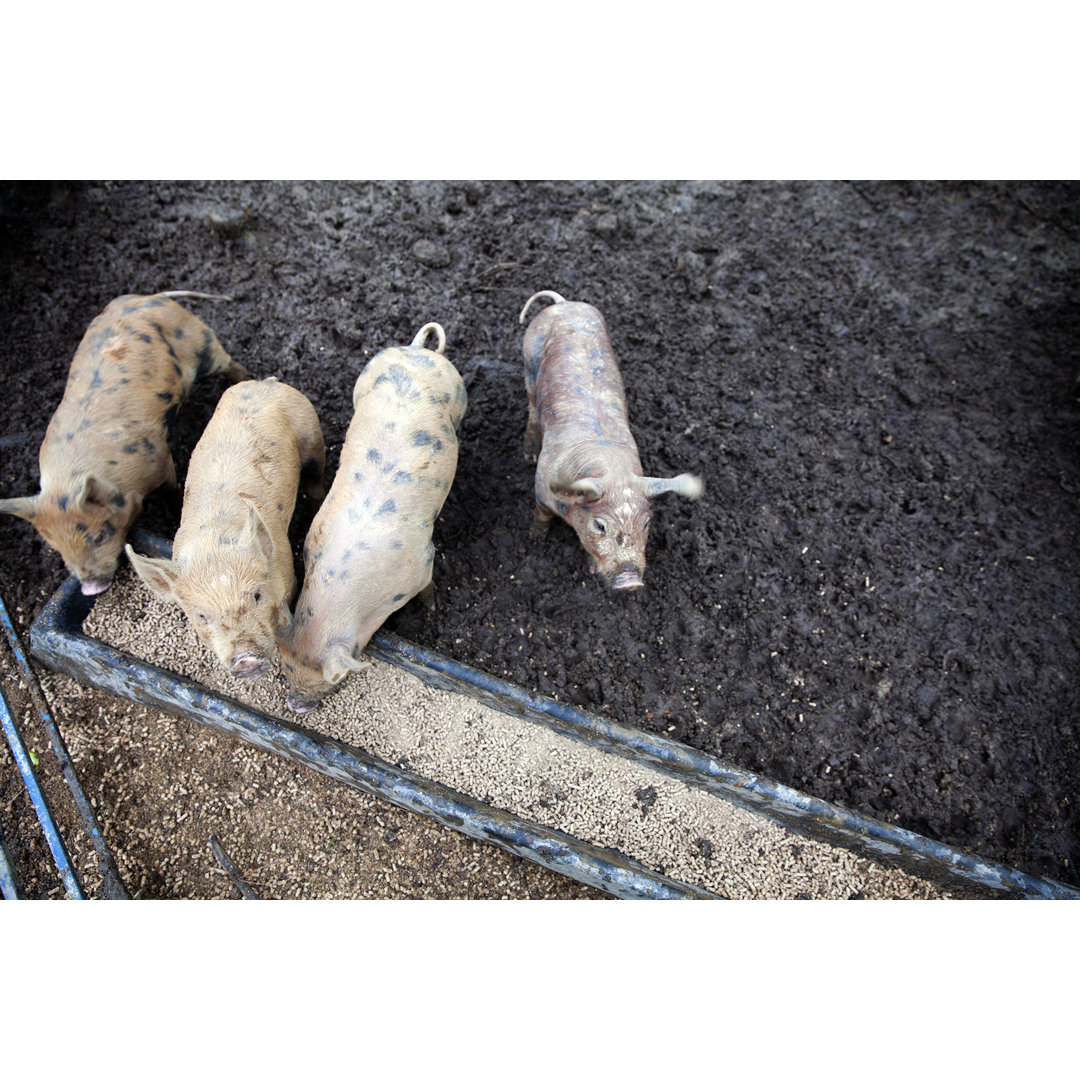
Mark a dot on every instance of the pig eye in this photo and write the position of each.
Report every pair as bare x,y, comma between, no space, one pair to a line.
599,526
258,597
201,617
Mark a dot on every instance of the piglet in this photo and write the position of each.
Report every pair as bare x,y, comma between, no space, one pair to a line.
231,569
587,467
105,448
369,550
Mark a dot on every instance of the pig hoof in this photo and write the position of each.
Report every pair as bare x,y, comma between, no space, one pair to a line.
298,706
92,588
627,581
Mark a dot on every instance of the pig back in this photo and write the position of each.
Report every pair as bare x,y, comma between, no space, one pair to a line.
571,368
250,450
372,539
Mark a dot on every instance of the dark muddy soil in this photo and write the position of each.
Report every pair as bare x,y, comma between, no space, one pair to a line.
876,599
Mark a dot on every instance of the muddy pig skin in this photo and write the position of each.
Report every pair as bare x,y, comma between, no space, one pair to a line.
231,569
588,471
370,550
105,448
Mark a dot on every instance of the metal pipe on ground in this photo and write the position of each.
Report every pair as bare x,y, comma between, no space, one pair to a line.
111,885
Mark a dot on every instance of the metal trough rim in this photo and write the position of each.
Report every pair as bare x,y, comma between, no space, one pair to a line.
56,638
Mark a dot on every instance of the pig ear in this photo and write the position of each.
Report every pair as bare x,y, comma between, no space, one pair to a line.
97,492
584,487
339,662
255,533
25,508
689,487
159,574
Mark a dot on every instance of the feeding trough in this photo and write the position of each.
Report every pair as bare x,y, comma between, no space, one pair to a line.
58,640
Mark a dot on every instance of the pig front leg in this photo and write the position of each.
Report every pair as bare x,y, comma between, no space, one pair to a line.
426,595
541,521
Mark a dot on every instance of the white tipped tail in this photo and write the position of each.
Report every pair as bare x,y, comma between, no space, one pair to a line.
194,295
554,296
422,333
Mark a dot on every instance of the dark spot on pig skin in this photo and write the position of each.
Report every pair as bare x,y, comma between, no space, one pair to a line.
177,369
374,456
396,545
398,596
107,530
421,438
80,527
179,331
63,502
402,477
97,381
165,395
131,448
164,340
118,500
144,337
398,378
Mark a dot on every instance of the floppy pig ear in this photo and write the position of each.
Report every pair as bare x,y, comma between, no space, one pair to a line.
689,487
25,508
159,574
99,493
339,662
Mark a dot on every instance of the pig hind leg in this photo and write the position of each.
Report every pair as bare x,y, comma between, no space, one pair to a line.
210,358
309,441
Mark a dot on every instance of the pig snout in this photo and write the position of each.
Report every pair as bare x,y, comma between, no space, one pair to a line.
300,705
627,579
247,665
94,586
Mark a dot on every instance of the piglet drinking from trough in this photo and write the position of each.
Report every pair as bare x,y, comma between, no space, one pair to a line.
105,448
369,550
231,568
588,471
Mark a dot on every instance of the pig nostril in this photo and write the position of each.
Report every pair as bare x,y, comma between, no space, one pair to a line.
627,581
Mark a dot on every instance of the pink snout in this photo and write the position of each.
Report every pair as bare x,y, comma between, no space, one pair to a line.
298,705
92,588
247,665
627,580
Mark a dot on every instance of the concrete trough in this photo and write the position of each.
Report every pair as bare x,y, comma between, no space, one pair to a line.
58,640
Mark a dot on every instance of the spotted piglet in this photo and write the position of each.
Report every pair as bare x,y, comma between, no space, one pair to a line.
231,568
369,550
105,448
587,470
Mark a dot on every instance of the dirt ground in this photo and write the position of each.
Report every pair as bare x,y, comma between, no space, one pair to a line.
875,601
